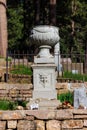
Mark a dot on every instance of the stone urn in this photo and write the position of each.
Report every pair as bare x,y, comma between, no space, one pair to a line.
44,75
44,36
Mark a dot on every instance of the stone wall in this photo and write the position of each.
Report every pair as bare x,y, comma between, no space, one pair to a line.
15,91
65,86
24,91
66,119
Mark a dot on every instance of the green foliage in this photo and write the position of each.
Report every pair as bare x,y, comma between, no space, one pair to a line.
66,97
7,105
11,105
75,76
21,69
77,13
21,19
21,103
15,26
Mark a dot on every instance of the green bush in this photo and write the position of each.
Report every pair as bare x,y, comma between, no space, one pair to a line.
7,105
21,103
66,97
11,105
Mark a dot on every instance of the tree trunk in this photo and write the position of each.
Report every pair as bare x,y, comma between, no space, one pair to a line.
37,11
52,12
73,7
85,62
73,13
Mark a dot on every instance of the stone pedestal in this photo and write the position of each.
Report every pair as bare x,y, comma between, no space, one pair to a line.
44,80
44,60
44,74
43,104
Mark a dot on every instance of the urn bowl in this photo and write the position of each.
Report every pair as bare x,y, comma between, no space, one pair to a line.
44,35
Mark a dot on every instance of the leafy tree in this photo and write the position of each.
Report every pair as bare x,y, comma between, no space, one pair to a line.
71,18
15,24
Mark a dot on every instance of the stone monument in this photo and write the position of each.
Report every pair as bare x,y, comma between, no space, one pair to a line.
80,97
44,75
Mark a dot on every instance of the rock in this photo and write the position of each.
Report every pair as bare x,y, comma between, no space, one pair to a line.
13,115
64,114
19,108
53,125
41,114
40,125
2,125
25,125
68,124
12,124
85,123
44,104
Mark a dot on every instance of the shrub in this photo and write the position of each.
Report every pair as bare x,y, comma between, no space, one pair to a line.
66,97
11,105
7,105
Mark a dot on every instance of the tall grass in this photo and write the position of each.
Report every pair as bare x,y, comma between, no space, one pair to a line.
82,77
21,69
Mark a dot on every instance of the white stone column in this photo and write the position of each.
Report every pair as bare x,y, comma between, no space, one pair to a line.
3,28
57,55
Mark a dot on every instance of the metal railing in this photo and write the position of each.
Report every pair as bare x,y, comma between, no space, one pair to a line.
68,62
73,63
15,59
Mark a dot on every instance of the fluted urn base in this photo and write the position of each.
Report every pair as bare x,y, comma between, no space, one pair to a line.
44,51
44,55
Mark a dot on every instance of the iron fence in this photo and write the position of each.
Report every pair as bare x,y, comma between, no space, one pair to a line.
68,62
73,63
16,59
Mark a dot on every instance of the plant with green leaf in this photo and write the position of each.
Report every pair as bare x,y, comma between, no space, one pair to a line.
66,97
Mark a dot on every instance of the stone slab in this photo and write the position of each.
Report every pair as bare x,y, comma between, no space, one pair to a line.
44,60
69,124
12,124
51,94
64,114
53,125
43,104
41,114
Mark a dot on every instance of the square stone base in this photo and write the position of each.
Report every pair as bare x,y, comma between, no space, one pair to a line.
45,94
44,81
44,60
43,104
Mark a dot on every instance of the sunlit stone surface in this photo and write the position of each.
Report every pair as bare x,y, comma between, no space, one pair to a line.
44,75
45,35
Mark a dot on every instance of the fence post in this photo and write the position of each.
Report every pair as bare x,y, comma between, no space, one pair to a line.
6,74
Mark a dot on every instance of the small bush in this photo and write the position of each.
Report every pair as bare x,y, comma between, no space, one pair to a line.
7,105
11,105
22,103
66,97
